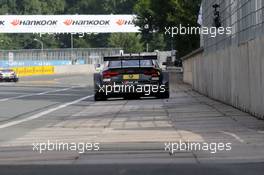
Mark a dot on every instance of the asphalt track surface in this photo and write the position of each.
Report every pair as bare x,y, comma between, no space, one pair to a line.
132,133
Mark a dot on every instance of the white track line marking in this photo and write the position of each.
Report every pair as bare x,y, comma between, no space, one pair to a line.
43,113
234,135
36,94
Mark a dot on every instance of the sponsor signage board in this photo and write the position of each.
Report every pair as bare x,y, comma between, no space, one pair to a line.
67,24
7,64
34,70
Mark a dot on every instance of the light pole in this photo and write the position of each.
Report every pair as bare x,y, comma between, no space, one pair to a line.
72,57
73,61
71,41
42,46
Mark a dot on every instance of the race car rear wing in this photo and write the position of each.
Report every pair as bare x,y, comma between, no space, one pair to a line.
131,57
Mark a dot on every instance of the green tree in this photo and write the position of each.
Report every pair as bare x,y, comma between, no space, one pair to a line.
157,42
130,42
119,6
155,15
84,7
81,43
27,7
6,42
53,7
8,7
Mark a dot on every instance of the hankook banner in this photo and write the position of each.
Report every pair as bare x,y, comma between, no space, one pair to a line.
67,24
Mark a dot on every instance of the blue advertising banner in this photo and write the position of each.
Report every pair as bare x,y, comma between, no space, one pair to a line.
5,64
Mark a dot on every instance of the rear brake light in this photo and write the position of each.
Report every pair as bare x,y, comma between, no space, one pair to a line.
109,74
152,72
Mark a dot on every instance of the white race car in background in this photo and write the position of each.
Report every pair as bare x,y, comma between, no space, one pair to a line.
8,75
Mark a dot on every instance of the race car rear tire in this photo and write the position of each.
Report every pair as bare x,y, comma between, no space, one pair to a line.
97,82
131,97
99,97
163,95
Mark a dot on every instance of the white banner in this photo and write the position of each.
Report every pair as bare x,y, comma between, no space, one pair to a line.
67,24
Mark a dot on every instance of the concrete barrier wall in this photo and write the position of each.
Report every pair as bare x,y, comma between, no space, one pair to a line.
234,76
188,66
75,69
175,78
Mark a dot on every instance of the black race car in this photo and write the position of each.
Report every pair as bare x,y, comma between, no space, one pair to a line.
131,76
